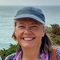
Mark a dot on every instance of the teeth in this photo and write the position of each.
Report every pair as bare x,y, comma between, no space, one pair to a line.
28,38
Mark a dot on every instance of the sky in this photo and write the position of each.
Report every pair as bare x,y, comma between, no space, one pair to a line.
30,2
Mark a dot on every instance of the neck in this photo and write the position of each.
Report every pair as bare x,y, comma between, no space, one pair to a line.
31,53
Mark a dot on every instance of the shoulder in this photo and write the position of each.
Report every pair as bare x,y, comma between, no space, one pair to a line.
58,53
10,57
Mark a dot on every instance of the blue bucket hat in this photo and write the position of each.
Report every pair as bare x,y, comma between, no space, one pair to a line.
31,12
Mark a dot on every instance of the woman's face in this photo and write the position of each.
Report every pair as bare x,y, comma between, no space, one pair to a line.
29,32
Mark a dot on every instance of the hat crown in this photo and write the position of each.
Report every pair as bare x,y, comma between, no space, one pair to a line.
33,11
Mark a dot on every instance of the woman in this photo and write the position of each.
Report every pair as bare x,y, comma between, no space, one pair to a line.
30,33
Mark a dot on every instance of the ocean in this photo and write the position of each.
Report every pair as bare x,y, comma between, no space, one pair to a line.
7,13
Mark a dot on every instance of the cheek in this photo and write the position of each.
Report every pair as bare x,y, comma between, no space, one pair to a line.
39,33
39,36
18,34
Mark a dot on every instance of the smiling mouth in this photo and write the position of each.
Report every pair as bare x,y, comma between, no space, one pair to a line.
28,39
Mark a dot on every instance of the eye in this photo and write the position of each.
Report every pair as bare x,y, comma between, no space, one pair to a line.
34,27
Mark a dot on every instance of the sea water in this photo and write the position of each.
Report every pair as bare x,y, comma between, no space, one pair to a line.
7,13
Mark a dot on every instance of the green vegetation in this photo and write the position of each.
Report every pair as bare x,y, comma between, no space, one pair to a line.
53,32
6,52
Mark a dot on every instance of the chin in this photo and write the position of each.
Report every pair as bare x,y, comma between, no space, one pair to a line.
28,45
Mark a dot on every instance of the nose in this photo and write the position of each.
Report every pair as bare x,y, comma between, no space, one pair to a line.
27,32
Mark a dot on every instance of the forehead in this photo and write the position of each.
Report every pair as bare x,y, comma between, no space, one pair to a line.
27,20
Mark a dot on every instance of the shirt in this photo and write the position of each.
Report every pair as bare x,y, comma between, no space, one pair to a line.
17,56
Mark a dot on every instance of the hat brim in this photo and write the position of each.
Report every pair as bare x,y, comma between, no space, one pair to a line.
29,16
